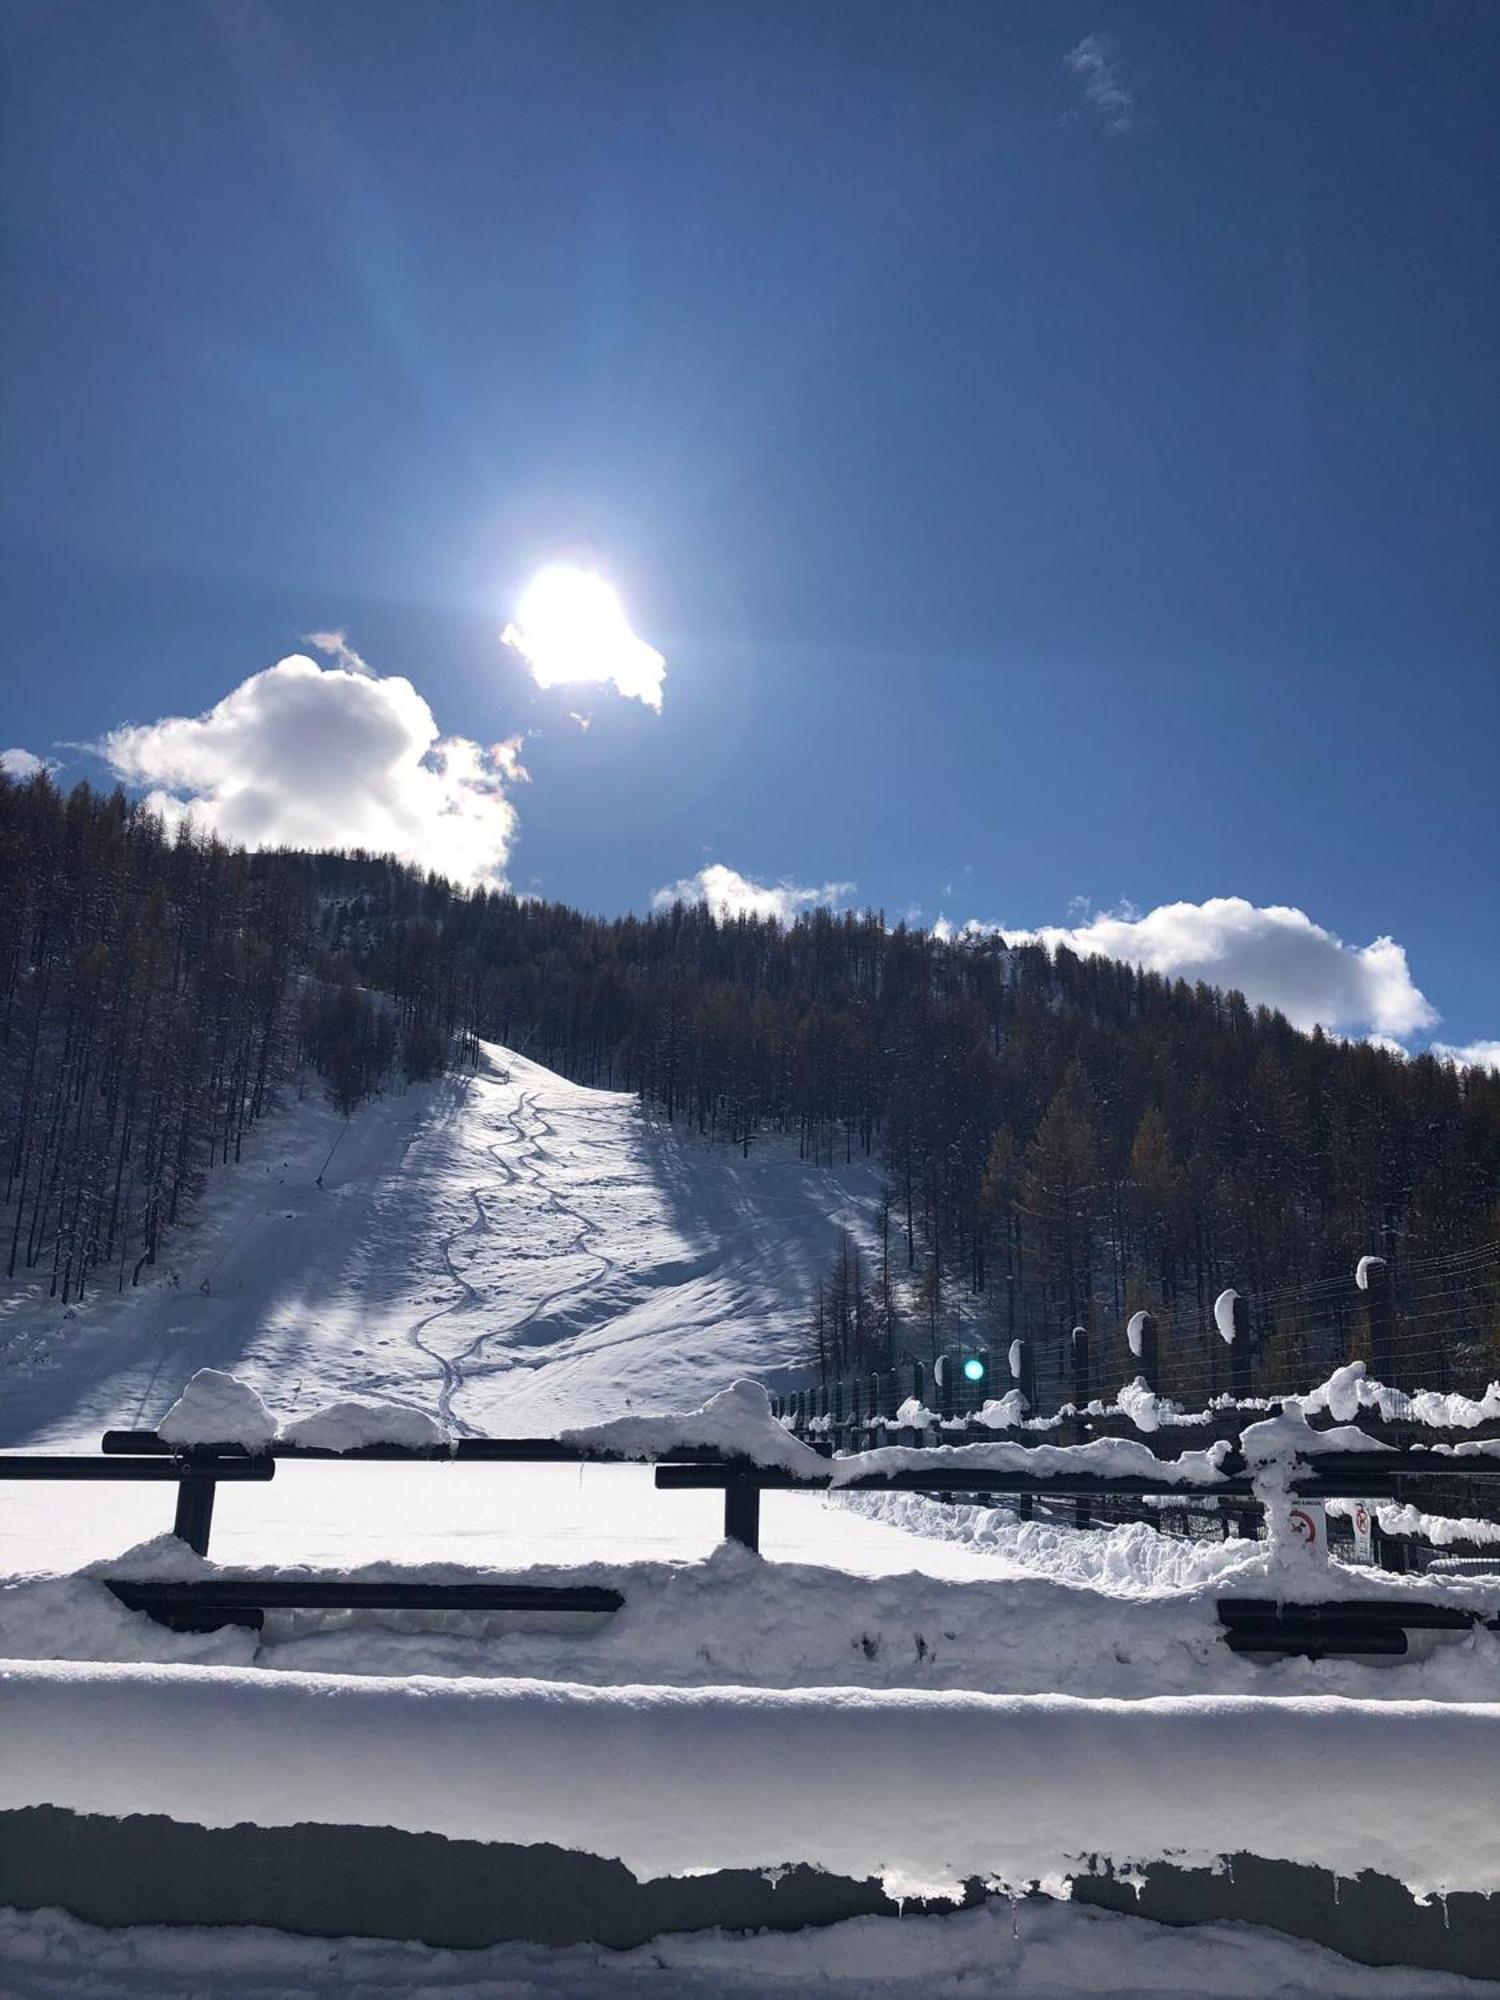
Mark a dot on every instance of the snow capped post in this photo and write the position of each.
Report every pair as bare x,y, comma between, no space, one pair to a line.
1141,1339
1232,1318
1372,1275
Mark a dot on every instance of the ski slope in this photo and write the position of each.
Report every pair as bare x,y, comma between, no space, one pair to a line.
508,1250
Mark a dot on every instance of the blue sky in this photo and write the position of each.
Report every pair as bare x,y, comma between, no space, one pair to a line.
1055,449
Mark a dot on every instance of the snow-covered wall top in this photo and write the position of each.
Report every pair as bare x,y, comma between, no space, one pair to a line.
679,1780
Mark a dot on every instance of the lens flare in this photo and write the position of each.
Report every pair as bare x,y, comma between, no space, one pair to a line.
570,626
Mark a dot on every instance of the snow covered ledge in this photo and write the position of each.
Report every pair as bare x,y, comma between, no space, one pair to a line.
684,1781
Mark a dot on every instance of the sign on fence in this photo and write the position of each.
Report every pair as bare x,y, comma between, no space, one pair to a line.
1361,1520
1308,1522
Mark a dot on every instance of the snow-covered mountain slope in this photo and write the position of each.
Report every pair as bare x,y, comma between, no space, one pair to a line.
510,1250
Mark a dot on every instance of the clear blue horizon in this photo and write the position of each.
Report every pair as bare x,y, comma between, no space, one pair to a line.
1055,450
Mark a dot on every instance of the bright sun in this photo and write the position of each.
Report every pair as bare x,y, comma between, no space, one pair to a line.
571,626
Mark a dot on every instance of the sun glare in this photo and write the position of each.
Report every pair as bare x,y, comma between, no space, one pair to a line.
570,626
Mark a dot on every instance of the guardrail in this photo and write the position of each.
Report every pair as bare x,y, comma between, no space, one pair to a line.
198,1470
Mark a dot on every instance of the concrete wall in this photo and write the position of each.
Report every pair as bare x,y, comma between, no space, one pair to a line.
1371,1918
346,1881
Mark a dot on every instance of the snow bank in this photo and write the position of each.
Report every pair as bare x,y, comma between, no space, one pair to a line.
737,1421
363,1420
217,1408
678,1781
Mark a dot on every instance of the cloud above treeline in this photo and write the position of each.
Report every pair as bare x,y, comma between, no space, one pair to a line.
21,764
1467,1055
730,894
1276,956
303,755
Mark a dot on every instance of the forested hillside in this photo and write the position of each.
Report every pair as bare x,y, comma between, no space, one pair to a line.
1058,1133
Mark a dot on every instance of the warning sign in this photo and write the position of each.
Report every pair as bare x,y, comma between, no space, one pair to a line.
1308,1522
1361,1519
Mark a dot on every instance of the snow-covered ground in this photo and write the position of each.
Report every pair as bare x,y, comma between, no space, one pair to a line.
507,1249
514,1254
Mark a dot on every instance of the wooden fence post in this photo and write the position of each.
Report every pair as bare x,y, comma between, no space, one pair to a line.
1142,1339
1018,1363
1078,1354
742,1510
1239,1354
1373,1277
195,1505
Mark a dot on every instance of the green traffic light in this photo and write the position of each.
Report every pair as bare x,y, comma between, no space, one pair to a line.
974,1369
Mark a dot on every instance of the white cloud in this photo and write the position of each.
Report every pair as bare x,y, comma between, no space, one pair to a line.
1095,61
23,764
308,756
729,894
571,627
1275,956
336,645
1468,1055
506,758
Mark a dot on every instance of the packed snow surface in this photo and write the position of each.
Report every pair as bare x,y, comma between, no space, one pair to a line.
506,1250
1036,1950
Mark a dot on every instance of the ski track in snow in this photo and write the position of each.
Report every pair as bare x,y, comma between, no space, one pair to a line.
510,1251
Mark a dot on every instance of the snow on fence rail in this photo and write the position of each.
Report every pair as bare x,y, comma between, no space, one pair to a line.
736,1444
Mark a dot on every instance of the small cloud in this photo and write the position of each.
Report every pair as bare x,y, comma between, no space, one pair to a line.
583,721
1467,1055
318,757
23,764
1096,62
571,627
729,894
336,645
1388,1045
506,758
